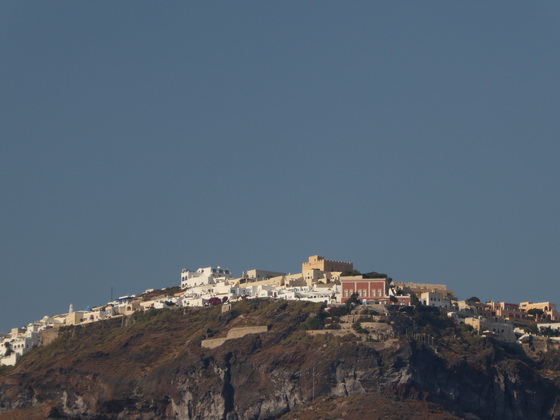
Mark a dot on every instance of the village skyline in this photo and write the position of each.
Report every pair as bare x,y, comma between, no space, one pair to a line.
202,284
333,283
80,303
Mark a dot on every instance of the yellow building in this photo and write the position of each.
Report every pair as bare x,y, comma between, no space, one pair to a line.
74,318
502,329
507,310
315,276
317,262
419,288
549,309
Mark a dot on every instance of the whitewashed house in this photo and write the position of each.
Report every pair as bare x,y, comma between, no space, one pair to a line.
436,299
190,301
204,276
19,342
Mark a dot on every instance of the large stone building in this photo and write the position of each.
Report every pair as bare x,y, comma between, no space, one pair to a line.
549,309
370,291
367,289
317,262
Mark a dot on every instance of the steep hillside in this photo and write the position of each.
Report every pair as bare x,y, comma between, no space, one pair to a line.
152,366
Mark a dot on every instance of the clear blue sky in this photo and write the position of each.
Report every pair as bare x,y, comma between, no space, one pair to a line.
419,139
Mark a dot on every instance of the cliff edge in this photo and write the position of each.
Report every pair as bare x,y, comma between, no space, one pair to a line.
152,366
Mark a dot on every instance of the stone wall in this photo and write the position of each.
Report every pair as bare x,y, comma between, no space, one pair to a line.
243,331
212,343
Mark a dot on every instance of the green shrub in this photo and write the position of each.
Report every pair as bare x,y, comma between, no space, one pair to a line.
358,328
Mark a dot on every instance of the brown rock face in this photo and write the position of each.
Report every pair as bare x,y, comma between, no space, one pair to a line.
153,367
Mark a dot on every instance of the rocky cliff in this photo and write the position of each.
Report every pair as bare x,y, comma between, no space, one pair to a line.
152,366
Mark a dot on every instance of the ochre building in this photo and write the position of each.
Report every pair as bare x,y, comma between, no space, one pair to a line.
317,262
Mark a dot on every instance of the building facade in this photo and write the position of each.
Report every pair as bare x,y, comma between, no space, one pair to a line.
367,289
203,276
507,310
501,329
317,262
548,309
436,300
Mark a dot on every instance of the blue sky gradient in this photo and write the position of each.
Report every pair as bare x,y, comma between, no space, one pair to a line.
137,138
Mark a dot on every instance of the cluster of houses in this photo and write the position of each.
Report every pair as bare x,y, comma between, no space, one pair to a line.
320,280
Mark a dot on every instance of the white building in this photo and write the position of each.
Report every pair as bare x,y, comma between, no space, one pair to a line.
18,343
436,300
263,290
203,276
189,301
501,329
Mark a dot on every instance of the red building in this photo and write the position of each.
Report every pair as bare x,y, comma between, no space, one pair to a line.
369,290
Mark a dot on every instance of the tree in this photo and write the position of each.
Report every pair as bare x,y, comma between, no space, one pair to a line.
316,321
351,273
358,328
375,275
550,332
531,328
414,300
353,300
535,312
8,347
473,299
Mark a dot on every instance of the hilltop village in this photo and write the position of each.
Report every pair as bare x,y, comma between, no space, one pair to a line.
334,283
